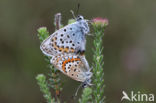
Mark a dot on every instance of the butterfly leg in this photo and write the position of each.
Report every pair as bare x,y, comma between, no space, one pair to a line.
90,34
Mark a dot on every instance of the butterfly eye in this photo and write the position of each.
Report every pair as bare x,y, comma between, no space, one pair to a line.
79,17
84,85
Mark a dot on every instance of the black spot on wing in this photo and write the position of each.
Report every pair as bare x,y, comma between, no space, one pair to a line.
68,36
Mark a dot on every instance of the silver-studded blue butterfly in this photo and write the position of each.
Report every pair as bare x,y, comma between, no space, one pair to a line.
69,39
73,65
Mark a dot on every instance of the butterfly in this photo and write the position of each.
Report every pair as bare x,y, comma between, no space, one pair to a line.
69,39
74,66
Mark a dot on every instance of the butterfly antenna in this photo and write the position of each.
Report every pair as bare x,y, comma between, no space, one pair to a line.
78,8
73,14
78,89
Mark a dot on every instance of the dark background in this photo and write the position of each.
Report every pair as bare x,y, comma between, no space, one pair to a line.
129,46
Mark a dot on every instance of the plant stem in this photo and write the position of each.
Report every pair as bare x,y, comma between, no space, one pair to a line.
41,79
86,96
98,73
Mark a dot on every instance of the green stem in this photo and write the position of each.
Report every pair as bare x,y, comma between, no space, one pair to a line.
98,73
41,79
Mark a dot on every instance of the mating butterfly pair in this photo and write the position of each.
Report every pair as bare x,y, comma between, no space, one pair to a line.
66,47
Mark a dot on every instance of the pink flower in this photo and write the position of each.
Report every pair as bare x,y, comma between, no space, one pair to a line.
98,21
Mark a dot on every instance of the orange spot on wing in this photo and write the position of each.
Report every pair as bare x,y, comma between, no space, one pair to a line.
72,50
66,49
69,60
62,49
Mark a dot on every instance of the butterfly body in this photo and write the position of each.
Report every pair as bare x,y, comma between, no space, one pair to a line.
69,39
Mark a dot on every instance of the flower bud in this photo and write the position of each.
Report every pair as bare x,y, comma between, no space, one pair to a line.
98,21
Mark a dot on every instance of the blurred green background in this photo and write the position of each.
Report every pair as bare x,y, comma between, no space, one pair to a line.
129,46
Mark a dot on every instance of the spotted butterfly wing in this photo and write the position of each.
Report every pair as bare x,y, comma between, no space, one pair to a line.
72,66
69,39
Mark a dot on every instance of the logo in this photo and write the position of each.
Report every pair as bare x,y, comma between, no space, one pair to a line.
137,96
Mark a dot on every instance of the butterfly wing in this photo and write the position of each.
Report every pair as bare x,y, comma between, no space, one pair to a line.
68,39
72,66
